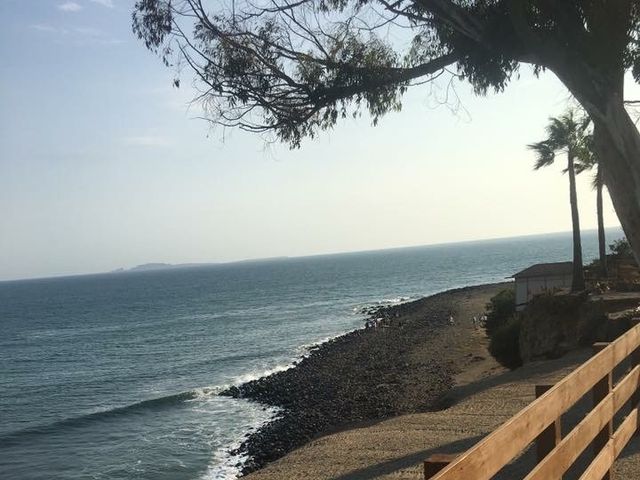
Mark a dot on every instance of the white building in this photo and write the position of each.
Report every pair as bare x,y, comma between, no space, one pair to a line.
540,278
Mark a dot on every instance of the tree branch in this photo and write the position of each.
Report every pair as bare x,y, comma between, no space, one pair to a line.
458,18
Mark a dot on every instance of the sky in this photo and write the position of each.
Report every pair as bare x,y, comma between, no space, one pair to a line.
103,164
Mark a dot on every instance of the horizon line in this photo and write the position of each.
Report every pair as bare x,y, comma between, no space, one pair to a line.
125,270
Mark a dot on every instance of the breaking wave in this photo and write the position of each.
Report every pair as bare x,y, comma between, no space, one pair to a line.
159,403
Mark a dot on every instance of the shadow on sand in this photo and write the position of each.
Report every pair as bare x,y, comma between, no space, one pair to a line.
523,464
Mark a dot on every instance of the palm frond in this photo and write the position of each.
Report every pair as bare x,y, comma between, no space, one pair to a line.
581,167
568,132
598,177
545,154
557,134
584,122
585,156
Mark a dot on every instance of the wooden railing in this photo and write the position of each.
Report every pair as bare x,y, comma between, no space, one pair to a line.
540,422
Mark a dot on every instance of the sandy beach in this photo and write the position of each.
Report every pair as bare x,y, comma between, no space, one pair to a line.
408,364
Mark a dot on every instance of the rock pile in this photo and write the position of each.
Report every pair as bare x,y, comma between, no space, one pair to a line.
364,375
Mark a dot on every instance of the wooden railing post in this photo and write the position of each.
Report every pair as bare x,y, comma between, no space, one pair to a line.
635,361
601,390
437,462
550,436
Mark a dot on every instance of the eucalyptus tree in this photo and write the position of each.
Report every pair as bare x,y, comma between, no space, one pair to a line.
294,67
566,134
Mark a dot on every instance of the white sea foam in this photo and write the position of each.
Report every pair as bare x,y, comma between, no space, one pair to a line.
223,464
256,374
394,300
303,350
207,392
358,309
300,352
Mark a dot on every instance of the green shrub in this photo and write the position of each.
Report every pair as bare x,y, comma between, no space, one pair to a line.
505,343
621,248
549,303
503,328
500,309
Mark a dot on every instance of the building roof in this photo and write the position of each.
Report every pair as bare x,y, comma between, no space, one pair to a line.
546,270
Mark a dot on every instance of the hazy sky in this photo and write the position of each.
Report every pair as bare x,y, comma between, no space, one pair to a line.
102,164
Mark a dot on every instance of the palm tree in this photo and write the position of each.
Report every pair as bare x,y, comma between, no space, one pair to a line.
588,160
566,134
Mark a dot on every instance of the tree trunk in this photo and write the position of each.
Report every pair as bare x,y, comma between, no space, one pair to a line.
618,146
577,283
616,138
602,243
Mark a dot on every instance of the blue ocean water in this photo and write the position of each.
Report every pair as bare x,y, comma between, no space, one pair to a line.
115,376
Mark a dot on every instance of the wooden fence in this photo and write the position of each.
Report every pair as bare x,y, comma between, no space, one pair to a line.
540,422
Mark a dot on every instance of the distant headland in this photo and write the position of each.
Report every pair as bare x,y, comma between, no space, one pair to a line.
154,266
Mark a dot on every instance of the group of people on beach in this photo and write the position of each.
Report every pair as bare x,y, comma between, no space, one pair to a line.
477,320
373,323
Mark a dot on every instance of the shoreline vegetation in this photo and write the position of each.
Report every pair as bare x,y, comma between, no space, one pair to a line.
407,364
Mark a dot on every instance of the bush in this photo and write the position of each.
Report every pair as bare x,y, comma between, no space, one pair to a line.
551,325
621,248
500,309
505,343
503,328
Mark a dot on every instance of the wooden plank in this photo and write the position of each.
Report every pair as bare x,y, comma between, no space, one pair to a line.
437,462
599,392
550,436
635,360
497,449
603,462
576,441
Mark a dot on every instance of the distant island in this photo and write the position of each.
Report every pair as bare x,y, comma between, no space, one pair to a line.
160,266
146,267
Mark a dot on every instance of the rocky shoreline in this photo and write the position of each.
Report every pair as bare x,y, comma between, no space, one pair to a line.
403,365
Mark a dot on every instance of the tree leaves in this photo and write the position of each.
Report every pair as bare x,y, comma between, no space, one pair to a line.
566,133
294,67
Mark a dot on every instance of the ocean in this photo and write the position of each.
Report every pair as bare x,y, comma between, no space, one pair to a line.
115,376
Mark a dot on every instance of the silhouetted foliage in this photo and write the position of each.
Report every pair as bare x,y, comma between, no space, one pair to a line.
500,309
293,67
621,248
505,343
503,328
568,134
